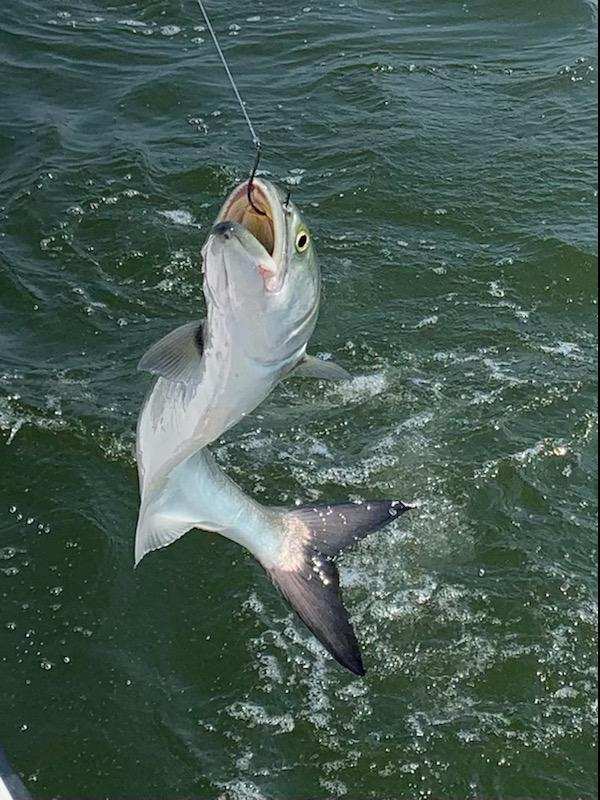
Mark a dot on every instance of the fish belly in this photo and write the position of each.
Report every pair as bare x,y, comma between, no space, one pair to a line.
178,419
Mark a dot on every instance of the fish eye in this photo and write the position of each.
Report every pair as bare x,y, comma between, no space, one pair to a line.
302,241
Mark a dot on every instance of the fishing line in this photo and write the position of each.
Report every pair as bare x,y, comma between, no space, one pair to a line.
255,140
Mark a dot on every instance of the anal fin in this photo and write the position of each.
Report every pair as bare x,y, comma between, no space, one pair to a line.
157,530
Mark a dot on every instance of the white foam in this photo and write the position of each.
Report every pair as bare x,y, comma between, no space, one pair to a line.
362,387
241,789
179,217
428,321
132,23
567,349
256,716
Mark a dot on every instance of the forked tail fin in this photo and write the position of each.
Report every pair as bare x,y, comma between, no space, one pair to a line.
308,578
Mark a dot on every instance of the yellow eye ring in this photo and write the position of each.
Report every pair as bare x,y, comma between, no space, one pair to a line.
302,241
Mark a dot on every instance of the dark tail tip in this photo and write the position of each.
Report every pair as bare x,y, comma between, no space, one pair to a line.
357,667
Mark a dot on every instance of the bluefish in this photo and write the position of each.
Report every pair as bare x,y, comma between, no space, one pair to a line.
262,290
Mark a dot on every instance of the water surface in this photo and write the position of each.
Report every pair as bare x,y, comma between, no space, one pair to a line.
445,157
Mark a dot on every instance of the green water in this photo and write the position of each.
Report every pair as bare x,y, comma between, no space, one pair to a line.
444,154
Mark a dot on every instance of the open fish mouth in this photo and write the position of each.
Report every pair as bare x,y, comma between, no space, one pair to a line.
263,218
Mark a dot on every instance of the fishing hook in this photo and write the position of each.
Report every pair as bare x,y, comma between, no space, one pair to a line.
251,179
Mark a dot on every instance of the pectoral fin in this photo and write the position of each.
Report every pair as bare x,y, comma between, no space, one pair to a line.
312,367
178,355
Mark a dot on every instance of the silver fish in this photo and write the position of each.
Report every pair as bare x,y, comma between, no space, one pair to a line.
262,287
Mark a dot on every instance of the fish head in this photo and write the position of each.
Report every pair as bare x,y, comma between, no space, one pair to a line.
260,260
